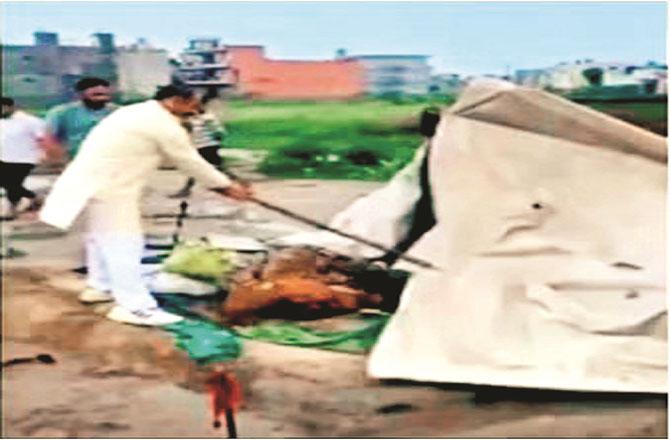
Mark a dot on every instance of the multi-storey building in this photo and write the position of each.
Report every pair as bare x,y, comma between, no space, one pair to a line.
140,69
260,77
205,65
44,73
244,70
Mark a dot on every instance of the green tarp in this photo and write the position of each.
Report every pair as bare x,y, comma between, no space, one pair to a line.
360,340
206,341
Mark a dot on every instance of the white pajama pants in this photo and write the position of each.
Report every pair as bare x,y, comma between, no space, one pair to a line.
114,247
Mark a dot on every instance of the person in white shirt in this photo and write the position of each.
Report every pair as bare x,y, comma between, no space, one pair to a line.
106,179
20,149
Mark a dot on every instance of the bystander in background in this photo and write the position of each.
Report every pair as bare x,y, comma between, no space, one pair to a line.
207,134
69,124
21,136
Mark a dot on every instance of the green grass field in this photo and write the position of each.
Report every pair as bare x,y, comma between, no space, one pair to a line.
649,115
368,140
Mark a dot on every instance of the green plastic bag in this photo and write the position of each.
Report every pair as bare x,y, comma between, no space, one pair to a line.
201,261
204,341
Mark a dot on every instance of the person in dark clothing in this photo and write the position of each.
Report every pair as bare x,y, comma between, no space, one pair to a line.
423,219
12,176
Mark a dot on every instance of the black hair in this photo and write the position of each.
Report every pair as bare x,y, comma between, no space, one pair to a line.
172,90
90,81
7,101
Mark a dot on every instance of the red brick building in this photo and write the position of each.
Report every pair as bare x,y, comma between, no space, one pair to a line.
262,78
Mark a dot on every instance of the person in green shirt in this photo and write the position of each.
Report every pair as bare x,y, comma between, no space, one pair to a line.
68,124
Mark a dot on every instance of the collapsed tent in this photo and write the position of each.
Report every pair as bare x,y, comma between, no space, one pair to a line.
549,235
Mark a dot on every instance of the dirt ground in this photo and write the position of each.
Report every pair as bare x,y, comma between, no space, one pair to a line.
113,380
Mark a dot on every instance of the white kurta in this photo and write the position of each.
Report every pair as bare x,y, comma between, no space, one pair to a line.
119,155
107,177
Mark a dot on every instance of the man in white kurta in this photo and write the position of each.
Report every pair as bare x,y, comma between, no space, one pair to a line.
106,180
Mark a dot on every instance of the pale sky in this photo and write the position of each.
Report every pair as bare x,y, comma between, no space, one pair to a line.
466,38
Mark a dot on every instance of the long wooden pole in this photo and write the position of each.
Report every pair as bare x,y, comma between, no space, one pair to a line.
357,238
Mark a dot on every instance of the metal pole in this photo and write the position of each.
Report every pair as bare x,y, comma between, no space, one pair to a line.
183,207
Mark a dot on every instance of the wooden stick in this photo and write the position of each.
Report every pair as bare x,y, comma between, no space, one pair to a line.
357,238
318,225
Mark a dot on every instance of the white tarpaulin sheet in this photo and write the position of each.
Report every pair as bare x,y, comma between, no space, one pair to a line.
551,243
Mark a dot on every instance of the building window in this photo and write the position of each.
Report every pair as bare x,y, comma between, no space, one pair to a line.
208,58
